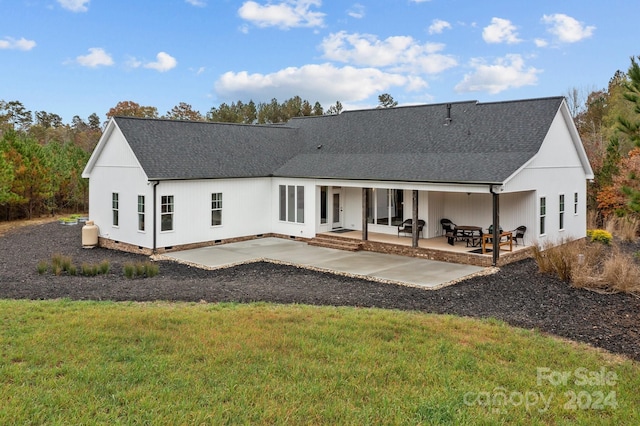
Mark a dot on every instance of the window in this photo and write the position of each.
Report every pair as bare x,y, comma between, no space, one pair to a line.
292,203
115,208
561,209
216,209
575,203
140,212
324,197
543,214
385,206
166,213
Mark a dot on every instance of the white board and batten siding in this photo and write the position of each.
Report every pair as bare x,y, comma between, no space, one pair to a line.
117,171
243,200
555,170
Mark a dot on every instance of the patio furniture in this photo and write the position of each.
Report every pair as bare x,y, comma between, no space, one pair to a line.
505,239
406,227
469,233
518,233
448,228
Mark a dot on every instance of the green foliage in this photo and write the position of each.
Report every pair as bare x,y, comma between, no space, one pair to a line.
140,269
600,236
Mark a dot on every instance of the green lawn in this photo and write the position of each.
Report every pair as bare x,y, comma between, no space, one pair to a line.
64,362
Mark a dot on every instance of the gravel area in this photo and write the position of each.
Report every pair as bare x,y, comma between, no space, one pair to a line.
517,294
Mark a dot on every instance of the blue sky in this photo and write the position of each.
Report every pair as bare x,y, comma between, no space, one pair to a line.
77,57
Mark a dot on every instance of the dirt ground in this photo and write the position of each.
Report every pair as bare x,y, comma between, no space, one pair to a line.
517,294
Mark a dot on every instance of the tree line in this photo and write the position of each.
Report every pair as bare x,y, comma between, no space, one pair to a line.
42,158
608,121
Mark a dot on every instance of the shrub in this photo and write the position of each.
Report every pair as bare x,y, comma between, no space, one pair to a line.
42,267
89,270
600,235
129,270
104,267
140,269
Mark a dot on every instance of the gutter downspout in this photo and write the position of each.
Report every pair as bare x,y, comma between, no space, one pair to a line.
496,226
155,184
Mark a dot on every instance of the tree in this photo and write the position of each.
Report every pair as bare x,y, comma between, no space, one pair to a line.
335,109
184,111
631,127
385,100
132,109
14,116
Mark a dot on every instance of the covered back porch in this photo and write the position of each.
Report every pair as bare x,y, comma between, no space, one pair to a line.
373,216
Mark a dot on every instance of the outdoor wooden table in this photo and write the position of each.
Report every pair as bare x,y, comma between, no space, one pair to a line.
471,234
487,240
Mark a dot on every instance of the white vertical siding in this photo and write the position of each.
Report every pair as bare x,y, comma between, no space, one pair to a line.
117,170
243,200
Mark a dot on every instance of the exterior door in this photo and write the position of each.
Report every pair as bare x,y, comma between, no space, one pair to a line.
336,215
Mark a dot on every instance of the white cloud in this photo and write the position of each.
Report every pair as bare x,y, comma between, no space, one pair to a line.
541,42
197,3
419,1
97,57
324,83
400,53
500,31
74,5
438,26
13,44
567,29
286,14
356,11
506,73
164,62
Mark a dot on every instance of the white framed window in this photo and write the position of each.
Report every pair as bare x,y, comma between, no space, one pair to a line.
166,213
385,206
140,212
543,215
575,203
561,210
115,209
324,203
291,203
216,209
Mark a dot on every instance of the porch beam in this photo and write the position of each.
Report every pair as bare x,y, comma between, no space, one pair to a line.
365,227
496,226
414,229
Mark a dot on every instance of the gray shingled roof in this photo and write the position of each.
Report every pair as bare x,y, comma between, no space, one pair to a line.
170,149
483,143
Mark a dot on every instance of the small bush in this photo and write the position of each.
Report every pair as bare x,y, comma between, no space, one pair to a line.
600,235
140,269
90,270
42,267
129,270
104,267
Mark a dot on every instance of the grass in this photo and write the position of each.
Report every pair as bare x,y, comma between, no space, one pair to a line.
160,363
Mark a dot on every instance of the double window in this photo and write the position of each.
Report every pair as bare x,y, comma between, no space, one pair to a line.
216,209
575,203
166,213
291,203
115,209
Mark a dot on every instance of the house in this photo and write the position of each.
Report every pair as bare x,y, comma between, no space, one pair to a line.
157,185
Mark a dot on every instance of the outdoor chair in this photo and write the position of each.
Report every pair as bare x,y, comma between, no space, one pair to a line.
406,227
449,229
518,234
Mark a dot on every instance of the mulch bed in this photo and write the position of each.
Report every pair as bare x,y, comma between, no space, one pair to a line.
517,294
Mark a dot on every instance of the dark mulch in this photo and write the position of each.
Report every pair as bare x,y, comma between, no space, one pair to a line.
517,294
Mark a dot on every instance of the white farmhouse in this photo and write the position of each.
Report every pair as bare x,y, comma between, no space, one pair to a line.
158,185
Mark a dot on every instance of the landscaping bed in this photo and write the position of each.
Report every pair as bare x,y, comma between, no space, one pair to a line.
517,294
